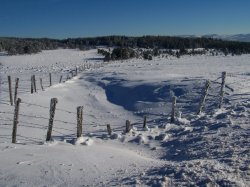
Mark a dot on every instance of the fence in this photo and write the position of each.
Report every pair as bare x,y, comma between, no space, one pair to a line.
10,88
74,128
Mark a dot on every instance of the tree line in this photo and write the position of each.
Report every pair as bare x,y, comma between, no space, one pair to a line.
31,45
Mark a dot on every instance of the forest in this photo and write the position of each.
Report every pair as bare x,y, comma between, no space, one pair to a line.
15,46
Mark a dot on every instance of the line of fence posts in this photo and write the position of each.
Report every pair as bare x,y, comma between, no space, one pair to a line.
54,101
33,86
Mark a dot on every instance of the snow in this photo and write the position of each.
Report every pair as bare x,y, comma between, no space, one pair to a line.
210,149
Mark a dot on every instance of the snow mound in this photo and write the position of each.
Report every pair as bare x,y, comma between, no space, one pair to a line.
84,141
140,139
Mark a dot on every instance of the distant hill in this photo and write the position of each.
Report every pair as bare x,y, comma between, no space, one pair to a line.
236,37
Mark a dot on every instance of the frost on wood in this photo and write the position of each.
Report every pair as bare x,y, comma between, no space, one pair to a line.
203,98
173,109
10,90
222,92
109,129
16,89
128,126
15,120
53,103
79,121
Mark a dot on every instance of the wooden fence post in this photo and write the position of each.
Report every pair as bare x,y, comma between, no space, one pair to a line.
31,86
223,79
50,80
72,74
79,121
128,126
76,72
15,120
53,103
173,110
16,87
144,122
60,79
203,97
34,82
10,90
41,83
109,129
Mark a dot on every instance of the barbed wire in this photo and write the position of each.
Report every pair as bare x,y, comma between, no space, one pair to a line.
8,113
31,116
65,122
31,126
30,138
5,124
63,110
7,104
5,119
32,104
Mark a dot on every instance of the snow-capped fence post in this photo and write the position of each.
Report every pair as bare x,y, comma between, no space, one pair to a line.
203,97
16,87
144,122
34,82
109,129
128,126
15,121
50,80
60,79
31,86
223,79
79,121
41,83
76,71
10,90
173,110
53,103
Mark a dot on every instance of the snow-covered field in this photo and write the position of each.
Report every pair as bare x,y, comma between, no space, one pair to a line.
211,149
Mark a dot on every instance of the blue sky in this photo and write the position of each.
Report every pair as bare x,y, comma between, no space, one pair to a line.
84,18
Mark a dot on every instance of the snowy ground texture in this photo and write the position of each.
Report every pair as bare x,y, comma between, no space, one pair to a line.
210,149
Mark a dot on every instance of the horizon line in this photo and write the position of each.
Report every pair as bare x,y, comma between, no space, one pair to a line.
123,35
